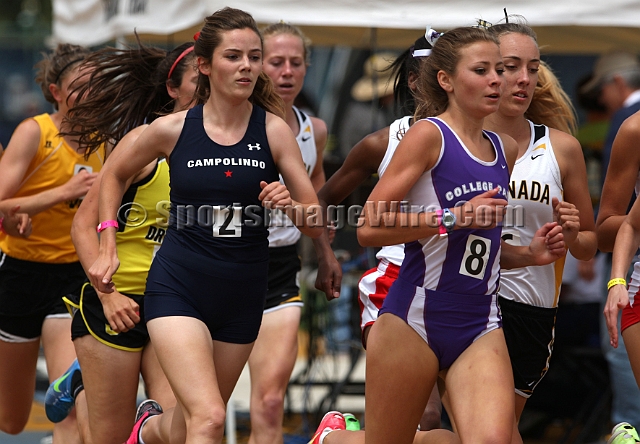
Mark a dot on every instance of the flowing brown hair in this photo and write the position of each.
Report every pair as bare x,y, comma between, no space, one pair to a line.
56,66
125,89
431,99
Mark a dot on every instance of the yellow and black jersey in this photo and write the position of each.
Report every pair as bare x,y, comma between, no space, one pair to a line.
143,219
53,165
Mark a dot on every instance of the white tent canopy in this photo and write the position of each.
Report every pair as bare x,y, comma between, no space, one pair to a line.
567,26
413,14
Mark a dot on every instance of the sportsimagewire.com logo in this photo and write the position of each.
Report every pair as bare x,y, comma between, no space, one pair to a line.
134,215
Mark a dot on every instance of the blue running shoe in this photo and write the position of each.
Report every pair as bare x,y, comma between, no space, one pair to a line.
59,399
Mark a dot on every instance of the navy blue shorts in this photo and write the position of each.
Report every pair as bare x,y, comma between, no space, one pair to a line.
448,322
228,297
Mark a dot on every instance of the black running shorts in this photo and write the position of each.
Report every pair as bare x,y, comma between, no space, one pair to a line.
89,319
529,333
284,265
31,292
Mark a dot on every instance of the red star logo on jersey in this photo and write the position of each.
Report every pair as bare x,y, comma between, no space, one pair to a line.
228,173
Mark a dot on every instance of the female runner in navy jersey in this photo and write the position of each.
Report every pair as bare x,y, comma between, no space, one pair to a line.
207,284
441,314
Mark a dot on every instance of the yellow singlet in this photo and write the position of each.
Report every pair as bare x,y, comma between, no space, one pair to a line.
145,213
53,165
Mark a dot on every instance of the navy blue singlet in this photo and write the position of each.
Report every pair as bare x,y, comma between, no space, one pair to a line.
215,210
213,262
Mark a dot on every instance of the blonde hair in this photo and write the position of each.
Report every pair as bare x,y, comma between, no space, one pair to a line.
551,105
286,28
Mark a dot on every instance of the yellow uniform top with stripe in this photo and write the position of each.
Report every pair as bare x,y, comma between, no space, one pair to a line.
143,218
54,164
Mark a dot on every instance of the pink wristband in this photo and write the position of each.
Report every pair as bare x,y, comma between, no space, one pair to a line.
1,227
106,224
441,229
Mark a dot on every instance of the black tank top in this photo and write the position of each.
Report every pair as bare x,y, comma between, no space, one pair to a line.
215,210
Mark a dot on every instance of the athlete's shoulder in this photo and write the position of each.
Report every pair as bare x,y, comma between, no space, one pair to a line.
26,139
378,139
631,124
162,135
274,120
564,143
168,125
31,126
370,150
424,129
319,126
41,119
131,137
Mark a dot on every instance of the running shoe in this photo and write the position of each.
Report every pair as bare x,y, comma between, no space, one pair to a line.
628,428
330,421
352,422
146,410
59,399
623,433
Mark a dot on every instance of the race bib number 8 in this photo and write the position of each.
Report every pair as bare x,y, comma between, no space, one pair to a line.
476,256
227,221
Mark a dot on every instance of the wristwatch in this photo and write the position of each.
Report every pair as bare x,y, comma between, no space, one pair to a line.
447,222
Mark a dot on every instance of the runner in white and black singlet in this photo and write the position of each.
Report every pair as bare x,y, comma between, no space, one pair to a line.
548,183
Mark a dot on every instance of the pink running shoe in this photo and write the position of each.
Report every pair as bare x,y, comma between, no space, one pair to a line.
146,410
330,421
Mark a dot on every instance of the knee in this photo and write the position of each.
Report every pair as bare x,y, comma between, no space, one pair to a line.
496,437
271,407
208,423
273,402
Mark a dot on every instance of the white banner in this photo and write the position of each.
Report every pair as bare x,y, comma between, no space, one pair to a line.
416,14
569,26
92,22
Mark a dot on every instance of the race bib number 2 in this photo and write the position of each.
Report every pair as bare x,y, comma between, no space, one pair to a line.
476,256
227,221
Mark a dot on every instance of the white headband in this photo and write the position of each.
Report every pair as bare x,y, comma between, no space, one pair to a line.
421,52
